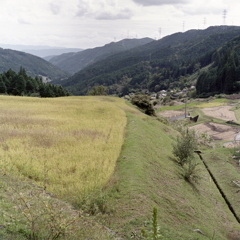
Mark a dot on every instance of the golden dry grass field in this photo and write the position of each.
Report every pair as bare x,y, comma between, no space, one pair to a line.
210,104
68,145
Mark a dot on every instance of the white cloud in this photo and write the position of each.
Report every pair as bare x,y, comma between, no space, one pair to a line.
23,21
203,7
84,8
55,8
159,2
121,14
103,10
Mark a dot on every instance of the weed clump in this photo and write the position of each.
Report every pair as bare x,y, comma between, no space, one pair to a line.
153,233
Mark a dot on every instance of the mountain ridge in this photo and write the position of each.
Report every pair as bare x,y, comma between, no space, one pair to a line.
176,54
74,62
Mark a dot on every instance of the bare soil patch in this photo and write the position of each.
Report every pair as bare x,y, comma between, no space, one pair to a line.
221,112
217,131
171,113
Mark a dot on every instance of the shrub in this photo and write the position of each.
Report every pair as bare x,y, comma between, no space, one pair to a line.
97,91
144,103
183,150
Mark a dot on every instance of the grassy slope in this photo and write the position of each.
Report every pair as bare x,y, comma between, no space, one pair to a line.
225,170
146,176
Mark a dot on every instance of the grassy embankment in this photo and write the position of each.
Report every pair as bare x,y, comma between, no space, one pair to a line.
219,160
145,175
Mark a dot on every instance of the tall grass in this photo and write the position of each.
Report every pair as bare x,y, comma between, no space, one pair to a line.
69,146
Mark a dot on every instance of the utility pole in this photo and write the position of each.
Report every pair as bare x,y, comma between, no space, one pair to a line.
224,16
185,107
160,32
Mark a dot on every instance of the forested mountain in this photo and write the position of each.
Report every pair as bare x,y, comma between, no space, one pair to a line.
224,74
34,65
154,66
74,62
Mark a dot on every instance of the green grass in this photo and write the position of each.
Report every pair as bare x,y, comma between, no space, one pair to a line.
221,100
225,170
146,176
178,107
200,104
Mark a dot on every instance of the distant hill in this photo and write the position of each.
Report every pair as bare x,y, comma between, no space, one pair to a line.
40,51
51,51
74,62
47,58
34,65
154,66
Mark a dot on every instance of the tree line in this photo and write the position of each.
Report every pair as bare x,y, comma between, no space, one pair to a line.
20,84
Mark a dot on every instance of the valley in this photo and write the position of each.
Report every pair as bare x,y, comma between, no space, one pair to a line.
97,166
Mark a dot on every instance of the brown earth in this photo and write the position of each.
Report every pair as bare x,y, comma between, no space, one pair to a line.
217,131
221,112
171,113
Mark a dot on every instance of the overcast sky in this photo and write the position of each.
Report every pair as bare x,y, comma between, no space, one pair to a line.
92,23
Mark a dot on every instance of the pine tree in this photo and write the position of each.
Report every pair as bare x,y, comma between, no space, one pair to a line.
3,88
